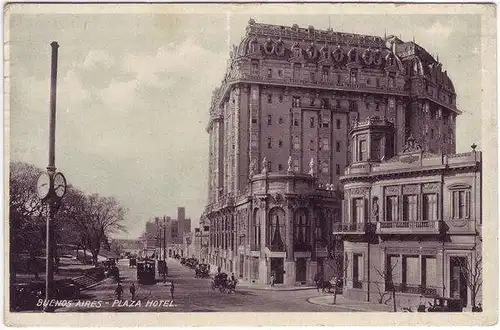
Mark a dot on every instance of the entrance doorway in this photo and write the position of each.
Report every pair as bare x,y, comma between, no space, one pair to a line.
277,270
300,270
458,284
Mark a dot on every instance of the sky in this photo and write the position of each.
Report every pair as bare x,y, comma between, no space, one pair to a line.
134,91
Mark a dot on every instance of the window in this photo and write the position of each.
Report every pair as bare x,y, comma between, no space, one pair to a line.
325,122
269,73
429,272
296,120
337,169
429,207
312,75
337,146
255,68
254,140
461,204
311,122
301,230
280,120
338,123
311,145
358,212
324,167
269,98
269,119
256,228
353,105
269,166
280,143
254,120
432,133
269,143
392,208
296,165
296,72
337,104
377,82
280,73
280,98
377,106
280,167
296,102
363,154
357,271
410,208
367,106
368,81
325,144
324,75
354,77
296,143
339,79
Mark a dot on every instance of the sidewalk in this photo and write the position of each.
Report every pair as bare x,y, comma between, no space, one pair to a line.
277,287
349,305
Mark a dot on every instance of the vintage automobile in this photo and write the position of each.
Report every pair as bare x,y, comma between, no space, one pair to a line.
202,270
146,271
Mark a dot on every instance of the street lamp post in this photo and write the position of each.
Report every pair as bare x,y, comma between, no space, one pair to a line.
51,185
164,239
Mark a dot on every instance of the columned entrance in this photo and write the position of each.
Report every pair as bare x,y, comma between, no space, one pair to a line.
277,270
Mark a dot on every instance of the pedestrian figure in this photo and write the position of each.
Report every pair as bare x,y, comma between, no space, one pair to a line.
272,279
119,291
172,288
132,291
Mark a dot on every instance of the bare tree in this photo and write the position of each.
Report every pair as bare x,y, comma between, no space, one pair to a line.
472,269
335,260
387,280
102,216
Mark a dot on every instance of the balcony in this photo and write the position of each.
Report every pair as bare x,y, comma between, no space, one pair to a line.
344,228
409,227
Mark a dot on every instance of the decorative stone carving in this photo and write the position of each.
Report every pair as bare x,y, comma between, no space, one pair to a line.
277,199
411,145
392,190
251,172
297,202
290,166
432,187
358,191
411,189
264,166
311,167
409,159
375,209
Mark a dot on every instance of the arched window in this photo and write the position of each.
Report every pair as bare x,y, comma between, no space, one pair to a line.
302,231
275,233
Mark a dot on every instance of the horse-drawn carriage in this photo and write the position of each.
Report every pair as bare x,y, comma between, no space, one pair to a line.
202,270
330,286
146,271
223,283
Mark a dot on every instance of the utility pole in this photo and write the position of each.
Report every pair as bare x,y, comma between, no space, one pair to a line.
164,239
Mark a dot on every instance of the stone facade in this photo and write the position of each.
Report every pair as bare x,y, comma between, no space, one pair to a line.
282,118
412,223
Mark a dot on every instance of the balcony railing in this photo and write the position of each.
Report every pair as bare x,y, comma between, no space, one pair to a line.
409,227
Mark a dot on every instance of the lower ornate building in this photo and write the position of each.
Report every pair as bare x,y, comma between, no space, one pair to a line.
412,224
280,227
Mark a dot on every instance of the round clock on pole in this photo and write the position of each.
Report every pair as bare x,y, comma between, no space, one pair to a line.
59,183
43,186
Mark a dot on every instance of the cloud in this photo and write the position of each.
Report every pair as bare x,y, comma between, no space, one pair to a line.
119,95
439,31
98,57
73,92
188,60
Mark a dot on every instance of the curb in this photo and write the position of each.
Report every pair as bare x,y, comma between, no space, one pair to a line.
275,289
349,308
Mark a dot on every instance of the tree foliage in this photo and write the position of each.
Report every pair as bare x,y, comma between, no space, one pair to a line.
83,221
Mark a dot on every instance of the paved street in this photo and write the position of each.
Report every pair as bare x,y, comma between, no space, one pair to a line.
192,295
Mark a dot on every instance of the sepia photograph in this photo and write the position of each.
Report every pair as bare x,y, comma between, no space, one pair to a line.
216,159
